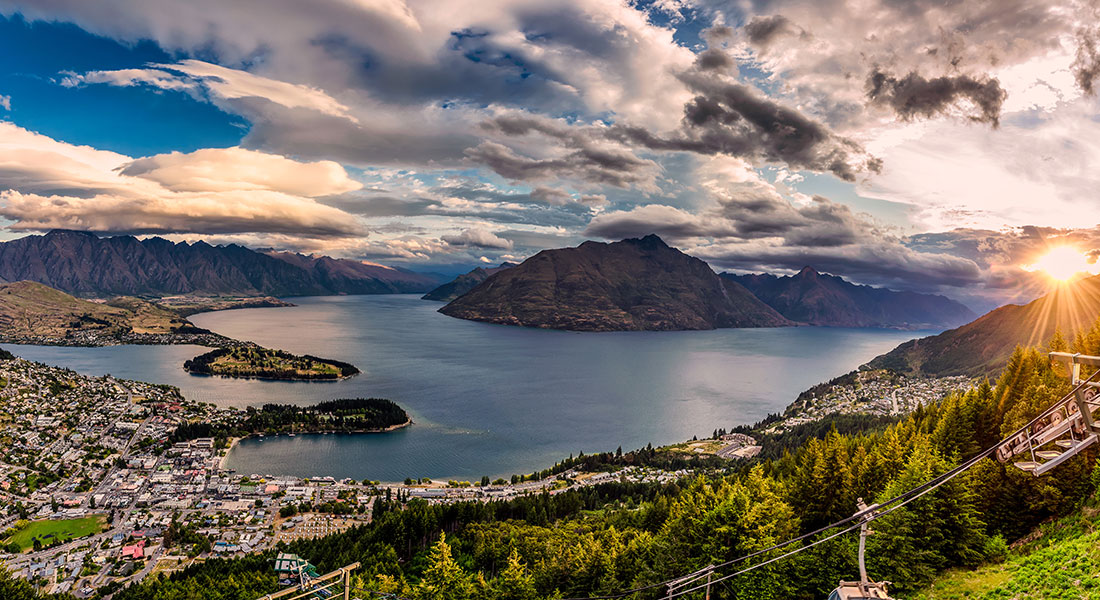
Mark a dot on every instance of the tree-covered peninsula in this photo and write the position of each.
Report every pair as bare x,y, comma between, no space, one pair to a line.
350,415
265,363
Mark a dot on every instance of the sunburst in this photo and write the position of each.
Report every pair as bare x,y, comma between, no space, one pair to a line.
1062,263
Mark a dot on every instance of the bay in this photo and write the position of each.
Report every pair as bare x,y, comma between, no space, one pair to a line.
490,399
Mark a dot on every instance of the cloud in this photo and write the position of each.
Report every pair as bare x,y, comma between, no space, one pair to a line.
552,196
49,184
131,77
5,102
228,212
222,83
478,238
668,222
913,95
224,169
600,165
868,259
763,30
733,119
1024,173
1086,62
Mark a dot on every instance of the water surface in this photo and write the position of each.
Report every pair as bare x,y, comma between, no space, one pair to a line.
491,399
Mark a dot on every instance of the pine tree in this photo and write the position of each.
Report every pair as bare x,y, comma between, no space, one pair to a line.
444,579
514,583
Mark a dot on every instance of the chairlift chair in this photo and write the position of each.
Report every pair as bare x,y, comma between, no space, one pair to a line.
856,590
1065,429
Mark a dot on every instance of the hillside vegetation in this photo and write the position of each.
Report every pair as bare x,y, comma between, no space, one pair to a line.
1058,560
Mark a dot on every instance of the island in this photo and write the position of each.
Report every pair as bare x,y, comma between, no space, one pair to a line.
265,363
348,415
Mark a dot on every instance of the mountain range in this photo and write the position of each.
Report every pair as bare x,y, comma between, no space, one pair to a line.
635,284
84,264
463,283
983,346
827,300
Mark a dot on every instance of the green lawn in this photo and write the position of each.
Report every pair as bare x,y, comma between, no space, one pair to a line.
49,531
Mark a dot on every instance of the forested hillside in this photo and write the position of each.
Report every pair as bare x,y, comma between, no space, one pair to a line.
617,536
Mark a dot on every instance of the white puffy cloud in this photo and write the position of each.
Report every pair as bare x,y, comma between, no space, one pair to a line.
5,102
478,238
49,184
225,169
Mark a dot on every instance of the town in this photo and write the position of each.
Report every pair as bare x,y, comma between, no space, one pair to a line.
98,492
875,393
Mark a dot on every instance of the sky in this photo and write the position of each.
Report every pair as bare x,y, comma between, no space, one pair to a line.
938,146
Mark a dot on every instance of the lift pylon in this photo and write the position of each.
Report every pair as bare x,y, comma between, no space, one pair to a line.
1064,429
864,589
335,585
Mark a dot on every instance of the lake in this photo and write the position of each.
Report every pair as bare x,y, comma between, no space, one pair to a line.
491,399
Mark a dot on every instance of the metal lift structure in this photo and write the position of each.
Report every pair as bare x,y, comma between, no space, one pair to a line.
1064,429
864,589
335,585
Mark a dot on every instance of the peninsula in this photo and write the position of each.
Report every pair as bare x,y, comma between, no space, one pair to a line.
33,313
346,415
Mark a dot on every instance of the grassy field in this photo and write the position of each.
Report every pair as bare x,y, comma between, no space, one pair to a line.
1060,561
50,531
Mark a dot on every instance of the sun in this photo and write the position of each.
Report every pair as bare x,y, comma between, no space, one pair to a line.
1062,263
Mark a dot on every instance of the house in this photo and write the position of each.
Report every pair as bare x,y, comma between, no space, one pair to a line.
134,551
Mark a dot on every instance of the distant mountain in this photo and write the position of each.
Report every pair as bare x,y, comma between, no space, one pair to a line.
463,283
817,299
84,264
635,284
346,276
983,346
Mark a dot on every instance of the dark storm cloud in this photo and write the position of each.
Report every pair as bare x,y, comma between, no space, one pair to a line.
712,60
1086,65
914,96
606,166
735,119
763,30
